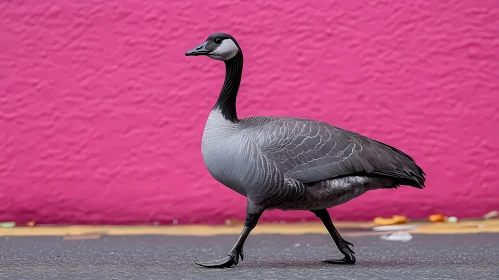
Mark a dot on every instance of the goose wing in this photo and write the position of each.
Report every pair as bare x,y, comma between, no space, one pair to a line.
311,151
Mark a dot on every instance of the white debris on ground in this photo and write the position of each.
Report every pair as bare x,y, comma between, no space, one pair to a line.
491,214
451,219
7,225
394,228
397,236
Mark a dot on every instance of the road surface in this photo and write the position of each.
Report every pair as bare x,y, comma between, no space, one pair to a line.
460,256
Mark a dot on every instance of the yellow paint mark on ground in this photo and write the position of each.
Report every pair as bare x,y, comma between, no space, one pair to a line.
349,229
475,226
94,235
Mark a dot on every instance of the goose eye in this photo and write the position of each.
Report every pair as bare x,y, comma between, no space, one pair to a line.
218,40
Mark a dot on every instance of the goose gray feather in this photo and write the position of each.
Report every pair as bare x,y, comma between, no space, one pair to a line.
312,151
291,163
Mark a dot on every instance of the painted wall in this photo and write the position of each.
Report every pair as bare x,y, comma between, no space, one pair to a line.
101,114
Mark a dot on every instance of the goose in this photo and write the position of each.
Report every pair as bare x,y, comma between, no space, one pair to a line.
290,163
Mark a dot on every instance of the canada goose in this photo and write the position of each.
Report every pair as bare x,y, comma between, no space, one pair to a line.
290,163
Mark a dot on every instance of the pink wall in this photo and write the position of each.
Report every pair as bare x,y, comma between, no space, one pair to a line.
101,114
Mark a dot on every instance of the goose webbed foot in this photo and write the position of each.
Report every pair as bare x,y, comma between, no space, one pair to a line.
347,251
230,260
342,261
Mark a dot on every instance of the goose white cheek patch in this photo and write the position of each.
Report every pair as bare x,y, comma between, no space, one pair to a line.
227,50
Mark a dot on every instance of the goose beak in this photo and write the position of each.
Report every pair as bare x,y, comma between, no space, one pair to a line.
199,50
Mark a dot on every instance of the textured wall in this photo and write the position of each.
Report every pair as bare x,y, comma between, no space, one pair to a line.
101,114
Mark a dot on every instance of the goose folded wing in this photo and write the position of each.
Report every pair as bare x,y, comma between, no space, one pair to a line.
311,151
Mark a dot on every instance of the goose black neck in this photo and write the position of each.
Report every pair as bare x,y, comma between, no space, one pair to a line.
227,100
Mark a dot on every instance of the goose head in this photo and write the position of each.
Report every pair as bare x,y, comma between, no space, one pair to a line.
219,46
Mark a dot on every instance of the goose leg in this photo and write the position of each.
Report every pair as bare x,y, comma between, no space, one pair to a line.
237,250
341,243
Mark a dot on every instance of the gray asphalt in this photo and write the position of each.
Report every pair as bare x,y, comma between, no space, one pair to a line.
472,256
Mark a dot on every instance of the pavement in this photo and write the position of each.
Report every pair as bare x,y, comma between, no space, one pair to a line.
267,256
